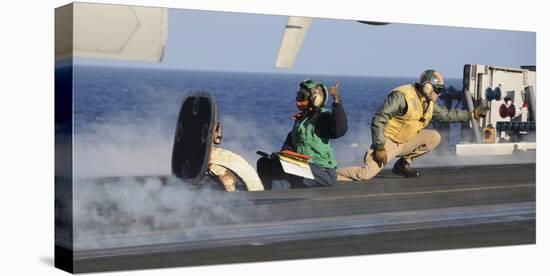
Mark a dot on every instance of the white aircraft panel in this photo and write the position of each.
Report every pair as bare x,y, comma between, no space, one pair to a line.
112,32
293,37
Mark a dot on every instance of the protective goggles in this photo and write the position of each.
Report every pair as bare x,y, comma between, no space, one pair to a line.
439,88
303,94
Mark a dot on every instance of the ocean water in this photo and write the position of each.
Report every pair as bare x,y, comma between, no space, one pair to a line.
124,118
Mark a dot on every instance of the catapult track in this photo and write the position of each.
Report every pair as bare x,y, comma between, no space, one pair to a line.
447,208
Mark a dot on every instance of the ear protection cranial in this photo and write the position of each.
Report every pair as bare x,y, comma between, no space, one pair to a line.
317,97
427,88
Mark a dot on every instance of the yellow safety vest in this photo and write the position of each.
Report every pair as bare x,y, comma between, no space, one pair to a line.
402,129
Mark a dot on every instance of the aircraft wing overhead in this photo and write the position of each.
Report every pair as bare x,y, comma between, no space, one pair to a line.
293,37
111,32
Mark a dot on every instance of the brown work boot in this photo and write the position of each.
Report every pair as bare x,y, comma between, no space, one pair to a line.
403,168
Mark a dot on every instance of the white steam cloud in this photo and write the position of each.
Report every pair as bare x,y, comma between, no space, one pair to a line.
123,188
146,208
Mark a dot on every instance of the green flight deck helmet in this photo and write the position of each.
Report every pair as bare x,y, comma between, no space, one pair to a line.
307,88
433,77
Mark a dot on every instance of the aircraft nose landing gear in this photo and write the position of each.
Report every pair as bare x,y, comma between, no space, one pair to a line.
195,154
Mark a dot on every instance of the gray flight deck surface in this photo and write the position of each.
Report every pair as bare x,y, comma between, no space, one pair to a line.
448,207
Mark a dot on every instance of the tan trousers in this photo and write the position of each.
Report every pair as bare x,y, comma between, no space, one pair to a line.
425,141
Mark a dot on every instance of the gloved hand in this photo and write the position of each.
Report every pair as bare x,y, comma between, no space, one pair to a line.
333,90
480,112
380,156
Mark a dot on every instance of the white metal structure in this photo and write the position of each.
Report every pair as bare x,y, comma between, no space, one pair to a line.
510,81
494,85
110,31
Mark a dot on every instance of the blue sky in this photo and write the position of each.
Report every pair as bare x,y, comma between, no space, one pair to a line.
206,40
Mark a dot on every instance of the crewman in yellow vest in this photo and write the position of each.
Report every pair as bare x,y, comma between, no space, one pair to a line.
398,128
